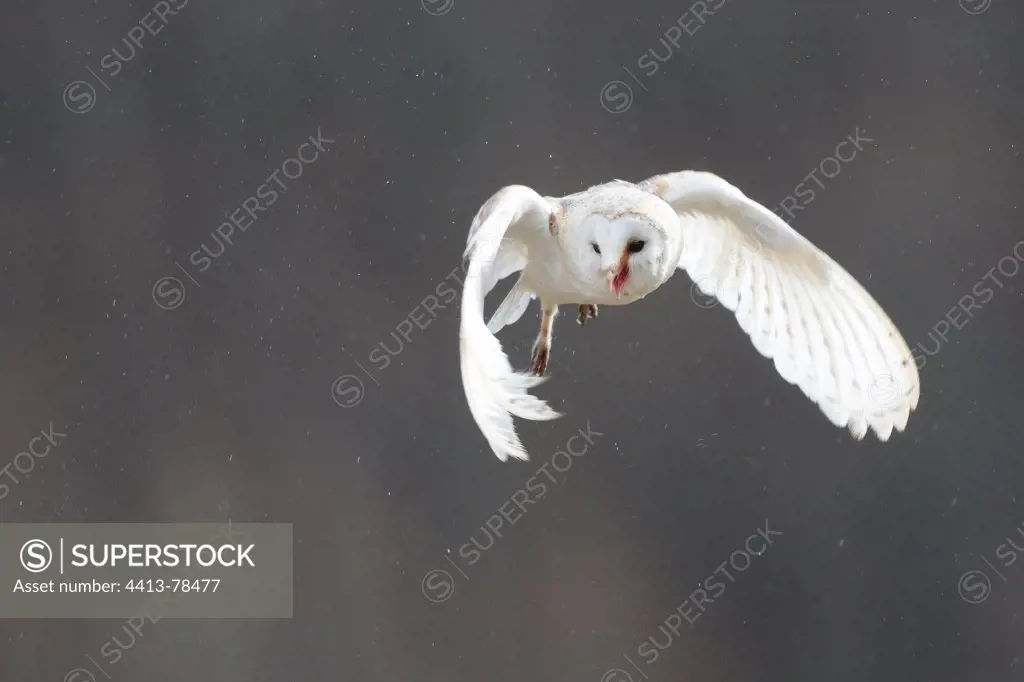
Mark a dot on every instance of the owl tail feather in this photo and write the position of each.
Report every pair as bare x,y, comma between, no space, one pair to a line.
512,308
493,390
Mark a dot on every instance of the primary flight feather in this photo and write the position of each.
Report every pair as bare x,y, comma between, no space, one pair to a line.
613,244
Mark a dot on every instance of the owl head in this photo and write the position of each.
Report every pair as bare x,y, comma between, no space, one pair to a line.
622,241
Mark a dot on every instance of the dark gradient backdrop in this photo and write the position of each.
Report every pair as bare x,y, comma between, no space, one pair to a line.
233,402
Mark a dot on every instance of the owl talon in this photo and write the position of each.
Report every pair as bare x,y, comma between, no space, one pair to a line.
541,353
588,311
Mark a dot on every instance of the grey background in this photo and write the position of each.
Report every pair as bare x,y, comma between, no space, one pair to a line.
222,408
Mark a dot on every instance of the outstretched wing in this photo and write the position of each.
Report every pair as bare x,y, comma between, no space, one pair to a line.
516,219
825,333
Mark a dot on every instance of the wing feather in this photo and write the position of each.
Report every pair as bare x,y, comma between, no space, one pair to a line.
499,239
823,330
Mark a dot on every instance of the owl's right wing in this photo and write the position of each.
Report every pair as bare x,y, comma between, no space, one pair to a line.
824,331
504,229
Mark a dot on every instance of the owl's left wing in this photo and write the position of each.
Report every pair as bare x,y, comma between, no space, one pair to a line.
512,221
825,333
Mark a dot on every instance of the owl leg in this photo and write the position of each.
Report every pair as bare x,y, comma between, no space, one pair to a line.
542,346
588,311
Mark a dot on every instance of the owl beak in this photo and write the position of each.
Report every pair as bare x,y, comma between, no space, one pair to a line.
610,276
617,275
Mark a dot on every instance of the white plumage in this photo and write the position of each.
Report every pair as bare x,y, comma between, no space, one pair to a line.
614,244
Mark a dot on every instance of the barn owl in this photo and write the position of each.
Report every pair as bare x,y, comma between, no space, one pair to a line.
615,243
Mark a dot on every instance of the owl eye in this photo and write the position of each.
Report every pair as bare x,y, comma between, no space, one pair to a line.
597,249
636,246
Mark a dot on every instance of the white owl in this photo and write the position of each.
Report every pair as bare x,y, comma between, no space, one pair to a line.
615,243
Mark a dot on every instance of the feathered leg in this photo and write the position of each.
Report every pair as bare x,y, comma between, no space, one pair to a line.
542,346
588,311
